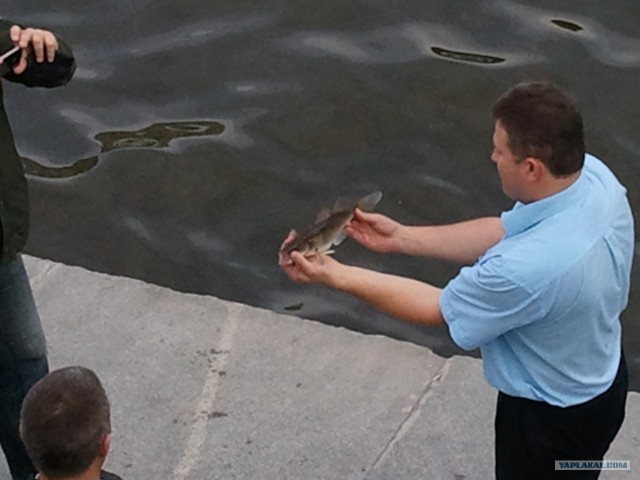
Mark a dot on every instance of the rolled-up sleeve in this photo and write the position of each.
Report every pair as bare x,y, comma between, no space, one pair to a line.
482,303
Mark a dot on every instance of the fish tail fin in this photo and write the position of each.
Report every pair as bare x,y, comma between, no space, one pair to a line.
369,202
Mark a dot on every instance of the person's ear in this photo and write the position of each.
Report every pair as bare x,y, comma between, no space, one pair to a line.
105,445
535,168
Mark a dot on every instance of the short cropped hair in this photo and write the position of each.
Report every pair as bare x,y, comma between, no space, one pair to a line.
64,419
543,122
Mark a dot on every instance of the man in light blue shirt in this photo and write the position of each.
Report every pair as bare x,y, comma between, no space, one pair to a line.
543,296
543,304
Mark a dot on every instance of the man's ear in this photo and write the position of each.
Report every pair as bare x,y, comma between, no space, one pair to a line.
535,168
105,445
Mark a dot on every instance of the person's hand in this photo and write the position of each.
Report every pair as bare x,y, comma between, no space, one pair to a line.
321,269
43,43
374,231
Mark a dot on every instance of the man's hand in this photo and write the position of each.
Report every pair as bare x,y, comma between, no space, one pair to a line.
375,231
42,42
321,269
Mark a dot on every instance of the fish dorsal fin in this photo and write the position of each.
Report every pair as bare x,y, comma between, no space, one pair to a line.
323,215
342,204
369,202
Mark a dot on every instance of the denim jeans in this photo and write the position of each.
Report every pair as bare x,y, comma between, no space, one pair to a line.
23,360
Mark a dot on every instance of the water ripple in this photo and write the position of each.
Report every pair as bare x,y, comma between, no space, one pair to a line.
453,44
407,42
608,46
443,184
199,34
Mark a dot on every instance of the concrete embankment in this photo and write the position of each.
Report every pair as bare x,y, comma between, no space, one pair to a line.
207,389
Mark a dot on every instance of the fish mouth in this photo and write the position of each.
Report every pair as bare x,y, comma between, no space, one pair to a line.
284,254
284,259
290,244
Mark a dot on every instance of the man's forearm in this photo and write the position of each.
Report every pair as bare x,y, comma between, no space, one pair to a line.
404,298
462,242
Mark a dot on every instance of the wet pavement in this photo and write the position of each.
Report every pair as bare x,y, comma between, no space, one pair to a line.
203,388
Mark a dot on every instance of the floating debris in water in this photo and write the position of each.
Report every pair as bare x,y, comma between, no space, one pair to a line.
294,308
574,27
466,56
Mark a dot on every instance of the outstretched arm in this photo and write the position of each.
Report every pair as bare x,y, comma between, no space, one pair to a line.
461,242
401,297
46,61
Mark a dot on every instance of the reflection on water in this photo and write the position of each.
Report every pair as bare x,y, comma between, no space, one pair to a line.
158,135
31,167
608,45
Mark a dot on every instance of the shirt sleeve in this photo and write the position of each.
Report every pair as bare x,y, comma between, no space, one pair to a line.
482,303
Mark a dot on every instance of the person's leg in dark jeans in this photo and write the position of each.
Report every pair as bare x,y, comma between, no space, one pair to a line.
23,361
531,436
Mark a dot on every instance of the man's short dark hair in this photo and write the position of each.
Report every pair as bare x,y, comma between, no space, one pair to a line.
542,122
64,420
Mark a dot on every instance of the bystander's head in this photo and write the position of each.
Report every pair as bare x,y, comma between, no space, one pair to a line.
65,424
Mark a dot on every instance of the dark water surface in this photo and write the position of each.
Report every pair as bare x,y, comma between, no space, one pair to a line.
196,133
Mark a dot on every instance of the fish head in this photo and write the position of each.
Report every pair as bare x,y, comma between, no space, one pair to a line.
305,244
320,237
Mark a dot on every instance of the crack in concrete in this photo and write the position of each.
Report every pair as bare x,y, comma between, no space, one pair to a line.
410,419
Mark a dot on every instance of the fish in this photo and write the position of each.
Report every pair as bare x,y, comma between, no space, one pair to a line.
328,231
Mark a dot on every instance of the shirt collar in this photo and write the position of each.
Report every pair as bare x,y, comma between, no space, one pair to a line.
524,216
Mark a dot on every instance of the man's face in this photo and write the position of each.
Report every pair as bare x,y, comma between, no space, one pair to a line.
512,173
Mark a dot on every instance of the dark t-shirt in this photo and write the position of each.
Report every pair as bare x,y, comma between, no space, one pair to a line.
103,476
109,476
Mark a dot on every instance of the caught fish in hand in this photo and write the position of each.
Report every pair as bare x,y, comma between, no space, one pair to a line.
328,230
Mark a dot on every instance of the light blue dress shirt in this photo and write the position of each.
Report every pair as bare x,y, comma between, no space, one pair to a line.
544,303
